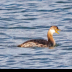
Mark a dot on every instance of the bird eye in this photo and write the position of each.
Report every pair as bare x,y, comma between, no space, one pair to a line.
57,28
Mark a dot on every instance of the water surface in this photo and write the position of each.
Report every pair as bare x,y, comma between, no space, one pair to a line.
22,20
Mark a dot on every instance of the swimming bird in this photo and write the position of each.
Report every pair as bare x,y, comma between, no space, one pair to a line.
41,42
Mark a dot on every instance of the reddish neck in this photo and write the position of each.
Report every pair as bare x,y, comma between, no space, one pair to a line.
51,40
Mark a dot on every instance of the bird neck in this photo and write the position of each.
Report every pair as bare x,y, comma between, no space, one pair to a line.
51,41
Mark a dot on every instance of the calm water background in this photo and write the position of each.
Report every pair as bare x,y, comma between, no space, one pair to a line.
22,20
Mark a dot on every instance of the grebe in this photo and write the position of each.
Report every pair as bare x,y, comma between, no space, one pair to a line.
42,42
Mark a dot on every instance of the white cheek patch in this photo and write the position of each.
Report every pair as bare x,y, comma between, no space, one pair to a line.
52,31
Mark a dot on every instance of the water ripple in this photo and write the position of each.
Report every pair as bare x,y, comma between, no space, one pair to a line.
22,20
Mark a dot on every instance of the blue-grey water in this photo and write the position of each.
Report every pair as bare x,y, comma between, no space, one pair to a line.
22,20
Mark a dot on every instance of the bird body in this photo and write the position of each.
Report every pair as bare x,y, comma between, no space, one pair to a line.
41,42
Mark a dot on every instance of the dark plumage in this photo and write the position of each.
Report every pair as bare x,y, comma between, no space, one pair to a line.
35,43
